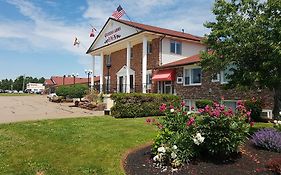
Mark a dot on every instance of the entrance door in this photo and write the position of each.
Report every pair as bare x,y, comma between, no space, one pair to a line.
121,84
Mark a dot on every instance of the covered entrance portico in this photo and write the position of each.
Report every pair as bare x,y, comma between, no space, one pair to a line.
122,84
128,69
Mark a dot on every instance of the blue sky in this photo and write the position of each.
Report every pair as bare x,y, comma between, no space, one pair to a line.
36,36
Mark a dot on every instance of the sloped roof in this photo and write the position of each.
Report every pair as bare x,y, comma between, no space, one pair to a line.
48,82
185,61
149,28
160,30
58,80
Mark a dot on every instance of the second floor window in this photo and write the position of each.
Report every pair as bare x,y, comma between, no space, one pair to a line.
175,47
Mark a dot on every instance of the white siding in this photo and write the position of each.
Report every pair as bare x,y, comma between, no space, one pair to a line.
188,49
111,26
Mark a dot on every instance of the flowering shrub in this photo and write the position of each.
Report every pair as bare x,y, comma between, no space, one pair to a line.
223,129
217,130
267,138
166,155
177,127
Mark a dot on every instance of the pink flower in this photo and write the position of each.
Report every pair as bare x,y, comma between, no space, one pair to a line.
183,103
200,110
192,108
162,107
190,121
248,113
171,107
207,108
222,97
240,102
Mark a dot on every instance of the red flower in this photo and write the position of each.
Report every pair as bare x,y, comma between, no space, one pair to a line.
171,107
252,124
162,107
190,121
192,108
183,103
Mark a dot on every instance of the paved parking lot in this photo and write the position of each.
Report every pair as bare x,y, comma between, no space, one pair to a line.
37,107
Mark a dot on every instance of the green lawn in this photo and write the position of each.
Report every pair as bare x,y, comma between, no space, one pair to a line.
25,94
93,145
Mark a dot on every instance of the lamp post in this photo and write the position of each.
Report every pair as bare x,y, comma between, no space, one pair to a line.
63,79
74,77
108,65
88,72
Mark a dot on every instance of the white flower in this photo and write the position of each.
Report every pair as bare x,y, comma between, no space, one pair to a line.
275,121
173,155
280,113
156,158
172,110
175,147
189,112
196,141
279,122
161,149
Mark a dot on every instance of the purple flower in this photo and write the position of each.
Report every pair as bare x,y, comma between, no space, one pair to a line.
267,138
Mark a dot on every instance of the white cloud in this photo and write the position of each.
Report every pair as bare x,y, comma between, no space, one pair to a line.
44,31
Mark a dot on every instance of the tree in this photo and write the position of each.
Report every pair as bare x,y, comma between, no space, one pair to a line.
247,34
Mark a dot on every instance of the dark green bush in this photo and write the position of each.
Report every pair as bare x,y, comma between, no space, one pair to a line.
200,104
74,91
255,107
140,105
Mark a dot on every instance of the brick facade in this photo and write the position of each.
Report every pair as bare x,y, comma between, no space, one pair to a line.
214,91
118,60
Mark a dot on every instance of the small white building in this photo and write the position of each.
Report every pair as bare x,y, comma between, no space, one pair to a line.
35,87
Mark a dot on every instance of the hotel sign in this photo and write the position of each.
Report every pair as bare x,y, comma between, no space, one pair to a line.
112,35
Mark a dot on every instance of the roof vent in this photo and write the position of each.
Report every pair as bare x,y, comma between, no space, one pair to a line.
182,30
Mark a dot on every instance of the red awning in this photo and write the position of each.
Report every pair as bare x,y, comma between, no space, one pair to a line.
164,75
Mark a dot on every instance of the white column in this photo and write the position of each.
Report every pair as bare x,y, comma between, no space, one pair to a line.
144,63
101,74
128,67
93,74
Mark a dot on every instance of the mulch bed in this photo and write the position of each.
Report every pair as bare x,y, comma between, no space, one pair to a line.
250,161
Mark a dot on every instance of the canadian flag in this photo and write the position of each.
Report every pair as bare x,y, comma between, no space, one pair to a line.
92,34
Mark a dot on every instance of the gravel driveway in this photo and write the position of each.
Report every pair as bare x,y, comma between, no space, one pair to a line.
37,107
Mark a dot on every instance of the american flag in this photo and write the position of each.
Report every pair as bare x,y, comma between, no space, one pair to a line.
119,12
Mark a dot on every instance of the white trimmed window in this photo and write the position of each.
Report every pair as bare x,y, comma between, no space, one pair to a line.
132,54
189,104
149,47
192,76
225,73
216,77
175,47
230,104
148,79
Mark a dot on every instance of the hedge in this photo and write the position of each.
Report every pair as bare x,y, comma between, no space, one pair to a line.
73,91
131,105
200,104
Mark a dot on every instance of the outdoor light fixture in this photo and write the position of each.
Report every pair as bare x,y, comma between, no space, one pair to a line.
108,65
88,72
73,75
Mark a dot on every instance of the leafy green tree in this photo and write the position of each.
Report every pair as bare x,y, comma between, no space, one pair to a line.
41,80
247,34
18,83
